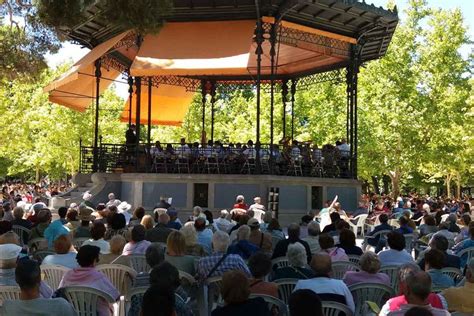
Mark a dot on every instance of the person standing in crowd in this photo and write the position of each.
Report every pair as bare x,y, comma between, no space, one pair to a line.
258,208
240,203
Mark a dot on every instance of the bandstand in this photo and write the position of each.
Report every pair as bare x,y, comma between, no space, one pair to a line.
212,47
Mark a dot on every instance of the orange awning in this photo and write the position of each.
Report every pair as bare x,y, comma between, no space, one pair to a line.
196,48
76,87
168,107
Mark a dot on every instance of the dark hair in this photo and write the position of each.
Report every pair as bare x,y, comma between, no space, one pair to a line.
326,241
235,287
305,303
155,297
209,217
71,215
335,217
155,254
293,231
440,242
116,221
62,211
396,240
342,225
434,258
200,224
87,255
62,244
347,238
466,218
165,276
97,230
5,226
138,233
383,218
273,225
139,212
28,274
429,220
403,220
306,219
260,265
418,311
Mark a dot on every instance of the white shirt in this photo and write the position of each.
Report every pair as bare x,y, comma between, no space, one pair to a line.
101,243
394,257
323,285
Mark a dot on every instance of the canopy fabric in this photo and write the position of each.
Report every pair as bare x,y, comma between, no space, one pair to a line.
169,105
196,48
76,87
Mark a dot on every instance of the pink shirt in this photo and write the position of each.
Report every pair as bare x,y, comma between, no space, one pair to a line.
136,248
353,277
337,254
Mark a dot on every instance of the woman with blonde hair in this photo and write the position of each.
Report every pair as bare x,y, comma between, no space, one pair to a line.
176,253
190,237
148,222
370,266
117,243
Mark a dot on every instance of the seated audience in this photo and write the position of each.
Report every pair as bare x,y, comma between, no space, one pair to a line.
404,226
452,223
176,253
328,289
160,232
54,230
463,234
72,222
274,229
417,292
204,235
418,311
395,303
260,266
28,278
460,299
148,222
443,230
156,296
222,222
18,220
190,236
243,247
468,243
65,254
235,292
379,242
440,243
137,245
313,237
347,241
117,243
327,245
335,219
370,267
297,262
220,261
87,275
43,220
85,217
396,255
174,222
137,216
429,226
434,262
116,225
293,236
155,254
305,303
97,238
260,239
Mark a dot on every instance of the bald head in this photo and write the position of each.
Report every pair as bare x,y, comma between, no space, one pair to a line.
418,287
321,263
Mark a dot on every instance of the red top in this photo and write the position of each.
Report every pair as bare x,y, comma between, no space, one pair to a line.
396,302
241,205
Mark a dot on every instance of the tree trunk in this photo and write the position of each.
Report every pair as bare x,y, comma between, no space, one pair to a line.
448,184
458,185
37,174
375,183
386,180
395,177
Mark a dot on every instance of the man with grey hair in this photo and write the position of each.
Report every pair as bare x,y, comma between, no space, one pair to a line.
313,237
243,247
416,292
327,288
395,303
460,299
298,266
220,261
222,222
160,232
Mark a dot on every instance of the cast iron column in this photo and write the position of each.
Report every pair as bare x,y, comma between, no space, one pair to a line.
284,94
203,95
130,98
272,89
213,100
149,113
259,52
138,87
98,74
293,92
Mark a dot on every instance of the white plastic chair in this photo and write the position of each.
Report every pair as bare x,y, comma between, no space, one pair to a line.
139,263
373,292
214,292
37,244
469,252
453,273
360,224
280,262
339,268
21,232
9,293
381,233
354,259
77,242
335,309
84,299
53,274
409,242
271,302
119,275
392,272
285,288
135,291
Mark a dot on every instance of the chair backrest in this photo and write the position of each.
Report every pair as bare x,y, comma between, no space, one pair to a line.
77,242
119,275
38,244
84,299
339,268
373,292
41,254
53,274
354,259
139,263
273,302
361,219
335,309
21,232
453,273
468,251
214,291
136,291
280,263
9,293
392,272
285,288
409,242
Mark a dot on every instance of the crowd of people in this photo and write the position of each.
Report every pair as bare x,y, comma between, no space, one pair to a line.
242,245
25,193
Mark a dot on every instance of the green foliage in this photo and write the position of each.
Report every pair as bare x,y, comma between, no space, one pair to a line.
62,12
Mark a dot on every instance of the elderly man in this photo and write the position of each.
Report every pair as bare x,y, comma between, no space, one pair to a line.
395,303
258,238
328,289
44,219
441,243
220,261
417,292
28,277
222,223
112,200
313,237
242,246
293,236
459,299
160,232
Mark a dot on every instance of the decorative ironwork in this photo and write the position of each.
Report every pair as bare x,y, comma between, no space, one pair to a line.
128,41
335,76
191,84
110,62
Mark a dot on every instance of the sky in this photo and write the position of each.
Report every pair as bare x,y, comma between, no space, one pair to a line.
71,52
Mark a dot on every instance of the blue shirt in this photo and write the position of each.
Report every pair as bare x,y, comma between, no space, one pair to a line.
67,260
439,279
243,248
231,262
204,238
394,257
461,246
405,229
